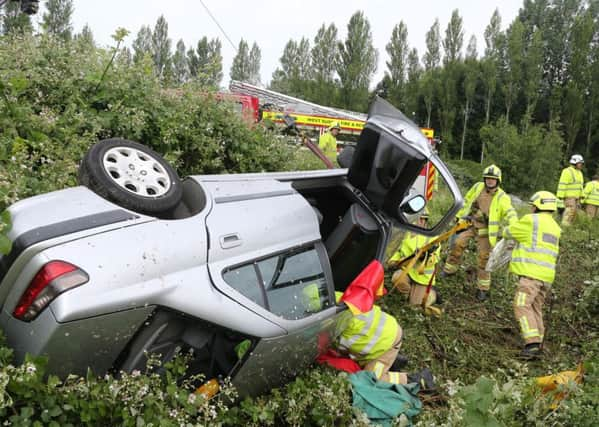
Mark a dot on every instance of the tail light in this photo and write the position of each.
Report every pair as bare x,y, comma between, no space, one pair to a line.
53,279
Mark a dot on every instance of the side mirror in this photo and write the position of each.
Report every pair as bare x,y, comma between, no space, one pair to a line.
345,157
413,205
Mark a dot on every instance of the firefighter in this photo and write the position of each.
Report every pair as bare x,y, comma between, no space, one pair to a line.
569,188
414,283
534,260
590,196
328,141
372,339
487,206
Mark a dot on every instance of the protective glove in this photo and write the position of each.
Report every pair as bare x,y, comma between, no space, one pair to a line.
432,249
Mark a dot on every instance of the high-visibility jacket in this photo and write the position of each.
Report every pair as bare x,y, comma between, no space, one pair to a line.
328,144
424,269
535,255
570,183
369,335
590,194
501,209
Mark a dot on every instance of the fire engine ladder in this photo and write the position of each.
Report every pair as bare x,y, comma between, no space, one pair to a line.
287,103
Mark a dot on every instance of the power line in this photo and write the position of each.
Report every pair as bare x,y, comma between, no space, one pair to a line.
218,25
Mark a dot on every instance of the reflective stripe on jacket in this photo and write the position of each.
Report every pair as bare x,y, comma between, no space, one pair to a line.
328,144
570,183
369,335
410,244
501,209
535,255
590,194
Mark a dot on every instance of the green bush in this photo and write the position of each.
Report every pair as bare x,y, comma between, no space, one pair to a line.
465,172
29,397
530,158
56,101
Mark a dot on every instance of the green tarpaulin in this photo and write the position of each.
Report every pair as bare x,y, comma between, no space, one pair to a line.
383,401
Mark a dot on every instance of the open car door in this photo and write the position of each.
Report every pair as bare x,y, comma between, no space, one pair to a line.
388,158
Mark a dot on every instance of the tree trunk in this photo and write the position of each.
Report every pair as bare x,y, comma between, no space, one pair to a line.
487,118
482,153
488,108
466,110
587,151
428,116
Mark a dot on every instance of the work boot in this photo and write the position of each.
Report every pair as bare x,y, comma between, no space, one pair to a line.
438,299
400,362
443,274
531,352
423,378
482,295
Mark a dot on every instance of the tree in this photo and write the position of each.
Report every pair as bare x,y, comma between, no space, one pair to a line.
14,22
180,67
56,20
324,54
206,62
490,61
215,74
240,69
142,45
447,96
513,65
295,68
514,150
85,37
592,97
432,60
429,83
357,62
471,76
454,39
125,57
452,45
532,69
579,81
489,65
254,64
557,24
413,85
398,48
161,48
432,56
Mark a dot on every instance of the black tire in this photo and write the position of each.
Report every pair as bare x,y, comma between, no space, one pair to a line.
132,176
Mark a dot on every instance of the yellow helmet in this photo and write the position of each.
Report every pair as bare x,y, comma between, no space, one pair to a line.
335,125
492,171
544,201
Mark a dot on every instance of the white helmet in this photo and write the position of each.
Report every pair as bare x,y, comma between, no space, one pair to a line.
576,158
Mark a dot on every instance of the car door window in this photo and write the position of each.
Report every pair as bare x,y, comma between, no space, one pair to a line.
293,282
296,286
245,281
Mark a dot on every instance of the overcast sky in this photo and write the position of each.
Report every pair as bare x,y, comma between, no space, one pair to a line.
271,23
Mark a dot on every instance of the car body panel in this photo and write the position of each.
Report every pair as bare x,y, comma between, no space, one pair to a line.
95,341
275,361
389,156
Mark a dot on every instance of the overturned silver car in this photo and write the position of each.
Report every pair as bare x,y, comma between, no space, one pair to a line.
137,261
